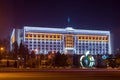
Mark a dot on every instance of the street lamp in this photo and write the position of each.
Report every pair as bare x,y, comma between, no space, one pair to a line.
1,49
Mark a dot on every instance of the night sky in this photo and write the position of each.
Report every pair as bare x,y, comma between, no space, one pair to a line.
84,14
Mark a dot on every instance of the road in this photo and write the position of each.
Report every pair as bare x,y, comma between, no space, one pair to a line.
62,75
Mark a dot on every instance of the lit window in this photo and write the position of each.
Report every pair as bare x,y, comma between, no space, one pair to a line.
38,35
26,35
96,38
54,36
89,37
50,36
106,38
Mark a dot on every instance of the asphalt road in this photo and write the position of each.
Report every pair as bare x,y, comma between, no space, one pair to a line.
62,75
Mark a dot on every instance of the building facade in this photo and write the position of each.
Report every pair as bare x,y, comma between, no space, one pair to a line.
64,40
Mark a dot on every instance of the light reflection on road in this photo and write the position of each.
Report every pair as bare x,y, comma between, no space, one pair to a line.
63,75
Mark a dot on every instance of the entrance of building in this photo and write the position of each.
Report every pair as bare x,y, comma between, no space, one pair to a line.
69,51
69,44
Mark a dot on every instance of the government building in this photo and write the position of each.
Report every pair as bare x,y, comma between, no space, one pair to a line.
64,40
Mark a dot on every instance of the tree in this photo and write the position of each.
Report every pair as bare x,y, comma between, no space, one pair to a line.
111,61
60,60
15,49
117,59
23,54
32,61
33,55
64,60
57,59
26,56
69,59
21,49
51,57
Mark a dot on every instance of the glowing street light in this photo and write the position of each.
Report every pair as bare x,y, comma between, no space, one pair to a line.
1,49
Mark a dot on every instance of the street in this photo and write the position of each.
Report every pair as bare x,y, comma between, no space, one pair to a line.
62,75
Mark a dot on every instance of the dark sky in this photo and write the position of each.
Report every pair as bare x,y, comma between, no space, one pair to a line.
84,14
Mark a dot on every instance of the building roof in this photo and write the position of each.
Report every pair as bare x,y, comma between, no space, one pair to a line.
65,30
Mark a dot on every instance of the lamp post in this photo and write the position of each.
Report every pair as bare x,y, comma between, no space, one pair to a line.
1,50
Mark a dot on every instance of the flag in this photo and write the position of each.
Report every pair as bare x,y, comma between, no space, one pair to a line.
68,20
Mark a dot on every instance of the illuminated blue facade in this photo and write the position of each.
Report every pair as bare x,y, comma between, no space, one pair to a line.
65,40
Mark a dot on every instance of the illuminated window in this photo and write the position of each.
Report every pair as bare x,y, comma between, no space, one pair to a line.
99,38
30,35
58,36
26,35
34,35
96,38
38,35
50,36
106,38
86,37
46,36
54,36
42,36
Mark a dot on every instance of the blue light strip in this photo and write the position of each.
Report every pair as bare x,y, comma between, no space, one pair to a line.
110,49
62,30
